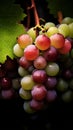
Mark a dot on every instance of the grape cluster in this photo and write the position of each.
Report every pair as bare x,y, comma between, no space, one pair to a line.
45,58
9,81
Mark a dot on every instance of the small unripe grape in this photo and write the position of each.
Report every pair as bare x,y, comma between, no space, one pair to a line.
17,50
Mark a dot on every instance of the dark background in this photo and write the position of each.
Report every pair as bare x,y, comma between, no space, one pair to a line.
57,117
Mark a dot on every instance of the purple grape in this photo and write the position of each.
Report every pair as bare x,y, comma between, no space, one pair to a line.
6,83
7,94
51,82
51,54
51,95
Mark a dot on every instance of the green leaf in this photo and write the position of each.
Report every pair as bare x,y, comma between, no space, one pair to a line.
11,16
66,7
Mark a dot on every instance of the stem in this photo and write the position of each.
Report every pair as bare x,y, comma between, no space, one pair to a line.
35,13
60,16
28,18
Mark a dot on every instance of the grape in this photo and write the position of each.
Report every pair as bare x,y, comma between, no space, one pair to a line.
51,31
40,62
27,82
42,42
51,54
31,52
39,92
67,96
51,82
7,94
39,76
22,71
6,83
57,40
24,94
52,69
27,107
31,69
24,62
71,40
64,29
62,85
66,48
48,25
68,74
36,105
32,33
71,30
24,40
17,50
16,83
67,20
51,95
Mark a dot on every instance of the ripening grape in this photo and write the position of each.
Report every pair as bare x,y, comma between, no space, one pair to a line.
66,48
57,40
24,40
42,42
31,52
40,62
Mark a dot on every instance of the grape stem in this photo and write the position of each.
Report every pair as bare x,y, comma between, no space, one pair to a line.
35,13
36,17
60,16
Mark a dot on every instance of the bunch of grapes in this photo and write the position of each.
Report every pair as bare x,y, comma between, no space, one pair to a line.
45,58
9,79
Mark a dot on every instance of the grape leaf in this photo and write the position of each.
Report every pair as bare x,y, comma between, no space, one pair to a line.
11,15
60,5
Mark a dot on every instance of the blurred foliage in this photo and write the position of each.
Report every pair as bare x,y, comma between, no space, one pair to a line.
66,7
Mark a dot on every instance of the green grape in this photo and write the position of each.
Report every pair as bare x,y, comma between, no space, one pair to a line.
27,82
52,69
62,85
67,20
27,108
71,30
17,50
67,96
24,94
22,71
64,29
51,31
32,33
48,25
